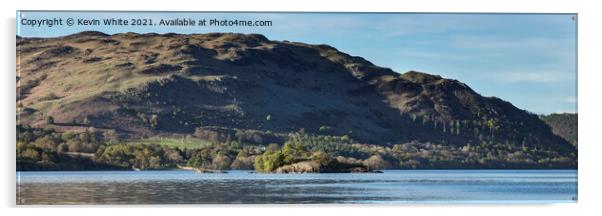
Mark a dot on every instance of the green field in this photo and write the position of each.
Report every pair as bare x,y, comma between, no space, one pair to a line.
185,143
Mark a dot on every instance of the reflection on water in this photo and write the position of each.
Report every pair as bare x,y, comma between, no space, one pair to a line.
392,186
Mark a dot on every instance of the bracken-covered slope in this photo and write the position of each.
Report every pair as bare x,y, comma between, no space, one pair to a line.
152,84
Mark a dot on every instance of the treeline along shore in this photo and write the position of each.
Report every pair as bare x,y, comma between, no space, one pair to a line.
90,149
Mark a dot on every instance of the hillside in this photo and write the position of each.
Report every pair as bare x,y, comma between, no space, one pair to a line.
224,86
563,125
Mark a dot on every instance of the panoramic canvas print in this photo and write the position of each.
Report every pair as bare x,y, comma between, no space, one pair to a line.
118,107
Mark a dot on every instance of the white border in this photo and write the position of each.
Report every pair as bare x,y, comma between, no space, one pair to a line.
589,102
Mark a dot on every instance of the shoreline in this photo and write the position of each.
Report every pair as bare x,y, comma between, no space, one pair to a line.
253,171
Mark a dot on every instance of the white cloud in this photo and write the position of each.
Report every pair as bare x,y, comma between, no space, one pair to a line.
570,100
533,77
572,111
503,43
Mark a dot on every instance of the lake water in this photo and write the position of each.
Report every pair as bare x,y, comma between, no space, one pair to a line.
390,187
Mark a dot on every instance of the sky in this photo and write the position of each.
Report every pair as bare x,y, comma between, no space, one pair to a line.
526,59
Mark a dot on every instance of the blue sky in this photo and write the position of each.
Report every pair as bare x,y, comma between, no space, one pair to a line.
527,59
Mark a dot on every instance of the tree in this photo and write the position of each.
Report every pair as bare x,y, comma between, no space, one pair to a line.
345,138
320,157
73,146
173,155
86,121
50,120
289,152
324,128
243,160
273,147
293,152
259,163
269,161
200,158
110,136
221,162
154,162
154,121
375,162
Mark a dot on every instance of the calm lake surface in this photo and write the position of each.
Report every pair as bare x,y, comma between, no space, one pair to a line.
390,187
